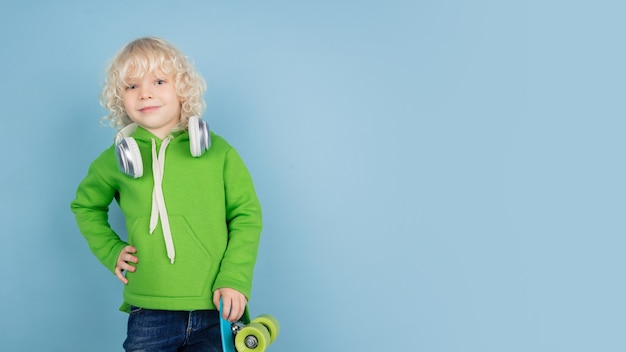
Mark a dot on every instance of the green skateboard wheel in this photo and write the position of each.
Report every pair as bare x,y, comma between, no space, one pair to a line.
270,323
253,337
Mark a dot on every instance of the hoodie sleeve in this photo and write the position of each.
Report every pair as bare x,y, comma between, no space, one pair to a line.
91,208
244,221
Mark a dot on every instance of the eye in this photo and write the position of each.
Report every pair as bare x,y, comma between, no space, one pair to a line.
160,82
131,87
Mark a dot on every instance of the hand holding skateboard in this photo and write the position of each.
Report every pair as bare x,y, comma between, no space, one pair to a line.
253,337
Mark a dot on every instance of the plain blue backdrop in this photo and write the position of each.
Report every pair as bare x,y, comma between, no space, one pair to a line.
435,175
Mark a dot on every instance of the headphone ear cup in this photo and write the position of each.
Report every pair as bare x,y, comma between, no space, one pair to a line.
129,157
199,136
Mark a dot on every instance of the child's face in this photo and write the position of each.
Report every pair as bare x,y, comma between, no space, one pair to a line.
152,102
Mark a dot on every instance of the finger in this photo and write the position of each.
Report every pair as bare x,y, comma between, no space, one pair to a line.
131,258
120,276
234,310
123,265
237,308
235,313
226,301
127,257
216,298
129,249
128,267
240,308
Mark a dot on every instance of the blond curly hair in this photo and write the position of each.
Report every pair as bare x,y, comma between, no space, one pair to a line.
146,55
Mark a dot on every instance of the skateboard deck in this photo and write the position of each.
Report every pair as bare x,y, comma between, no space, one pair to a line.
253,337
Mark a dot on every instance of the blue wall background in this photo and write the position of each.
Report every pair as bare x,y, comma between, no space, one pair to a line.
436,175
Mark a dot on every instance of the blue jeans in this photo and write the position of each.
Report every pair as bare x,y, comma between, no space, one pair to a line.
173,331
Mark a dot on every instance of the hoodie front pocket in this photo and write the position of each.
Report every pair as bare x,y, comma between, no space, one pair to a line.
190,276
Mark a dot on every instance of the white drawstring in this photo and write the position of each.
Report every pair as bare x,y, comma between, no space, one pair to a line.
158,202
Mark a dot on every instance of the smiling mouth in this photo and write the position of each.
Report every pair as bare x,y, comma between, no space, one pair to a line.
148,109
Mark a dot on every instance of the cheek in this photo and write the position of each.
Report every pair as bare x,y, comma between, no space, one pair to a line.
127,97
125,104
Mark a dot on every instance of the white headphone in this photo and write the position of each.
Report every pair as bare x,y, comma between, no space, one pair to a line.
127,151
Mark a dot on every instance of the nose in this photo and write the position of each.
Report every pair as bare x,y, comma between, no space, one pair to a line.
145,94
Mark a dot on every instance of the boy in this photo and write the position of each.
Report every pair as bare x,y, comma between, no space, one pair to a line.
192,215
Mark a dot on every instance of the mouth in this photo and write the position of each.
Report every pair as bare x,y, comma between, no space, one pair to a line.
148,109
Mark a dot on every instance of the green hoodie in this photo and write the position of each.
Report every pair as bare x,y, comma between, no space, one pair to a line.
214,216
